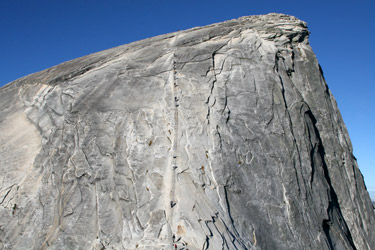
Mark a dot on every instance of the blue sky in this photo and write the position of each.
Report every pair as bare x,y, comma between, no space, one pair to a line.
36,35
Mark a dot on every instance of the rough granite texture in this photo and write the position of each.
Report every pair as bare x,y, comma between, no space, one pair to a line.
218,137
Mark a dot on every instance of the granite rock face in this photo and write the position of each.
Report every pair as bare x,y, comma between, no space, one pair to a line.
217,137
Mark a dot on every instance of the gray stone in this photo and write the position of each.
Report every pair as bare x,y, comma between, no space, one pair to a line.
218,137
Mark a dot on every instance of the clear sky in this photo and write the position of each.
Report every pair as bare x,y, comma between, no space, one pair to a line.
37,34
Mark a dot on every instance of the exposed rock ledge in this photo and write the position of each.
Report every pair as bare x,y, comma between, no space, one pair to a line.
217,137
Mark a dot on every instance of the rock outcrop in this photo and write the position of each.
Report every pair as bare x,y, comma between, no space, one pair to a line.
217,137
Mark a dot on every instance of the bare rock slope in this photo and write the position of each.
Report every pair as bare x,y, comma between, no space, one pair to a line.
217,137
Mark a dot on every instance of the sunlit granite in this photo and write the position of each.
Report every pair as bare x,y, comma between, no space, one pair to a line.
218,137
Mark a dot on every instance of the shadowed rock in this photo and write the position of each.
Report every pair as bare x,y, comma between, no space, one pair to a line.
218,137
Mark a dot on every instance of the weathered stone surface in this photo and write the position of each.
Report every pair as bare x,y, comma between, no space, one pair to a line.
218,137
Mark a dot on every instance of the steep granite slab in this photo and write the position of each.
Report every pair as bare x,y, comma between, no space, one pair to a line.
218,137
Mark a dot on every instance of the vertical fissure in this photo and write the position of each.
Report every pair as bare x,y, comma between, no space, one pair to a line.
333,210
